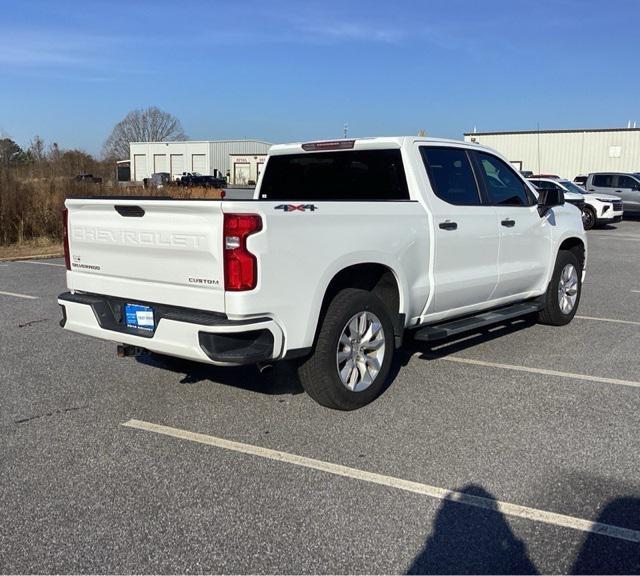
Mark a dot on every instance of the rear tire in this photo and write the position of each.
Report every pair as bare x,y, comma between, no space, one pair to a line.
563,293
349,365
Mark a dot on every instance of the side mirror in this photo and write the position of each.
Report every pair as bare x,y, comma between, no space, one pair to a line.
548,198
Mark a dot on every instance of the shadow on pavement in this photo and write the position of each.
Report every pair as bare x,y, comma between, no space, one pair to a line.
469,540
604,555
634,216
277,380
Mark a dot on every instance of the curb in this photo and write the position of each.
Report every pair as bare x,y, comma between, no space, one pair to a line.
37,257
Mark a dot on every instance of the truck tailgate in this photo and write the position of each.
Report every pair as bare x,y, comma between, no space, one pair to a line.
148,250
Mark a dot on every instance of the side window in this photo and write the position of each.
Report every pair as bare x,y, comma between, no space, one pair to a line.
545,185
503,186
627,182
451,175
603,180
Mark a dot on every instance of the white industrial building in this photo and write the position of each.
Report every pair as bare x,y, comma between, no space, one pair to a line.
245,168
205,157
566,153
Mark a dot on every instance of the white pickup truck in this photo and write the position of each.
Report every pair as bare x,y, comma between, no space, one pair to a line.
345,246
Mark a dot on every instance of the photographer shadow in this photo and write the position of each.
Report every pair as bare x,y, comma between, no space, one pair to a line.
472,540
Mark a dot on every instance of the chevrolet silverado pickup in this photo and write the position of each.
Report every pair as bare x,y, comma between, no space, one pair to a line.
345,247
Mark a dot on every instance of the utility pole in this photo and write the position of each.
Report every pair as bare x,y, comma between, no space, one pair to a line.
538,147
345,130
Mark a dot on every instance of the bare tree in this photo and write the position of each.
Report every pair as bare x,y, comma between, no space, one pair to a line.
150,125
37,149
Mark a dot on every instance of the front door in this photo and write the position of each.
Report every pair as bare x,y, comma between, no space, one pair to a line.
628,189
525,236
465,267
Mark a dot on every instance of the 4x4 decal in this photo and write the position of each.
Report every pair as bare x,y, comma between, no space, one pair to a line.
294,207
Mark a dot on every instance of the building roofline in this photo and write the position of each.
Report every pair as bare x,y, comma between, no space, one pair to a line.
575,130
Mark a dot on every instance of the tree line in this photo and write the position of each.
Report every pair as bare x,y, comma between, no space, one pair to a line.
35,180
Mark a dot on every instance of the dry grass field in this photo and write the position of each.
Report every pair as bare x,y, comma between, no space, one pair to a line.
30,208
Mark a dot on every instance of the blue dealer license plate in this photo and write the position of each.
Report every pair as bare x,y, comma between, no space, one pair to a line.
139,317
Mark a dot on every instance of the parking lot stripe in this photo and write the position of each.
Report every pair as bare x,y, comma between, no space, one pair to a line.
18,295
615,237
636,291
632,322
41,263
506,508
545,371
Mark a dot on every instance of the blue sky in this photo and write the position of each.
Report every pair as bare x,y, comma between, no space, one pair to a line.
283,70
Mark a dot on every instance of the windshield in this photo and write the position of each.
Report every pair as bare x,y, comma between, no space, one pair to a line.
571,187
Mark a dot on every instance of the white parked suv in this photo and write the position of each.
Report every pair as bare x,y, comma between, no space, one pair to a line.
598,209
345,246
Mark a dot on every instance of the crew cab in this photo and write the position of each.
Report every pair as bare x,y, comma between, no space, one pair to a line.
345,246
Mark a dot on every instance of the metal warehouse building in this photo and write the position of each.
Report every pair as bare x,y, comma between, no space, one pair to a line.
566,153
204,157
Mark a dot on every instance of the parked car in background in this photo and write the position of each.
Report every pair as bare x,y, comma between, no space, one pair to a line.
159,179
622,185
88,178
597,209
204,180
580,180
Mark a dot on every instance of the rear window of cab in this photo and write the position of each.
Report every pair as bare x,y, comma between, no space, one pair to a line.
354,175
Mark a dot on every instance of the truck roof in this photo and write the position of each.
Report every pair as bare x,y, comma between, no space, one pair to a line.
373,143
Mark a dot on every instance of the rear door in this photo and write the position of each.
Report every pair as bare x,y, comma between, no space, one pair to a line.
525,236
603,183
164,251
466,234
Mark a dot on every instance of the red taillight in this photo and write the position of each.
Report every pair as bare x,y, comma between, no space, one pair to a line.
65,237
240,266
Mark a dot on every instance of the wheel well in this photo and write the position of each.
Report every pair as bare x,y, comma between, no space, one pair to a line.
377,279
575,246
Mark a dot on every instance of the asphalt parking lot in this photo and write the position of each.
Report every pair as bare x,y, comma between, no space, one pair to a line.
513,450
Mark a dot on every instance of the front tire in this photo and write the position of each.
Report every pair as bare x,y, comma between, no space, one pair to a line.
589,218
350,363
563,293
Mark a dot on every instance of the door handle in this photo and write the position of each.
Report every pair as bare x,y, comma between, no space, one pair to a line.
508,223
448,225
